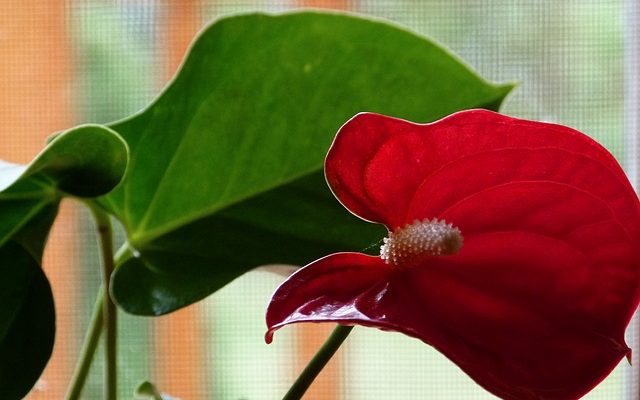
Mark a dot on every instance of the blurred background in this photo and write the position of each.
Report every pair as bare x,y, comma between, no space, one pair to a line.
65,62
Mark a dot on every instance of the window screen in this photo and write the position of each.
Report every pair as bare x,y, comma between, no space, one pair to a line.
69,62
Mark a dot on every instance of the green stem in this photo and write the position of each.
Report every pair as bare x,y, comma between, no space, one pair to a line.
318,362
92,337
105,235
88,350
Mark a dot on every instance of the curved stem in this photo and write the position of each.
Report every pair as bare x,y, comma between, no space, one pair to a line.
105,235
318,362
89,347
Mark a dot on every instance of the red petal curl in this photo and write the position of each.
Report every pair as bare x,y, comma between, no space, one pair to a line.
519,342
536,303
332,285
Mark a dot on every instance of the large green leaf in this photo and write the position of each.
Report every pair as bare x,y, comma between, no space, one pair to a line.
86,161
226,167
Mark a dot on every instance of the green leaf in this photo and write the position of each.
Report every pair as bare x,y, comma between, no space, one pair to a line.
148,391
86,161
27,321
226,165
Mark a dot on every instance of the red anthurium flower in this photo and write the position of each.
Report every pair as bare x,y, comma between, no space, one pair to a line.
513,249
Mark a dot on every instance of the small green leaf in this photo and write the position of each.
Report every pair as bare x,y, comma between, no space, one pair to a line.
226,167
148,391
86,161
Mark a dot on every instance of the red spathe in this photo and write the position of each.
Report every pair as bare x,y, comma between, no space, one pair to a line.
535,304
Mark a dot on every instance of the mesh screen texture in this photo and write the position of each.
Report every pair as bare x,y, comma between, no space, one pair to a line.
66,62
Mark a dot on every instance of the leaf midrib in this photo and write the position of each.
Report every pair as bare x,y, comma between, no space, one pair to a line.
151,205
139,238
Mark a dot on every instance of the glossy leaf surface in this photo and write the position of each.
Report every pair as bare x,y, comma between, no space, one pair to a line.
536,302
85,161
226,168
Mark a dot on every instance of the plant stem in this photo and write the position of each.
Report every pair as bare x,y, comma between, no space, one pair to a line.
92,337
318,362
88,350
105,235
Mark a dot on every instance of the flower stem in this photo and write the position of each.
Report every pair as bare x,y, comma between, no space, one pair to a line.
88,350
318,362
105,236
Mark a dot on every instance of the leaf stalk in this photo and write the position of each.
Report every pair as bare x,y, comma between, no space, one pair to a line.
92,337
88,351
109,312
